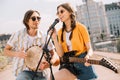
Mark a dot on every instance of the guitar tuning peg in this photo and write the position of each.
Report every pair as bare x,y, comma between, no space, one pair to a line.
108,63
103,59
114,68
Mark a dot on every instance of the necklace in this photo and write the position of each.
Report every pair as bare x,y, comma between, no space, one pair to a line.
68,30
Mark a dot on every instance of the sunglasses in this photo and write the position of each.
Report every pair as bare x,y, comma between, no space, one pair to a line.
35,18
62,11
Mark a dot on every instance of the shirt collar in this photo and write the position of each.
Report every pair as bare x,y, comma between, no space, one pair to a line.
39,33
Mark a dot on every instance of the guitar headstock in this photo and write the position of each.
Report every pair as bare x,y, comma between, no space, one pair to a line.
106,63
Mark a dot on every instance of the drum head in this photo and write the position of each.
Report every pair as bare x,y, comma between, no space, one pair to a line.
33,56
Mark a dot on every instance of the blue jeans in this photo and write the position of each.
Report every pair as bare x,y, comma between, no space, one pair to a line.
84,72
81,71
28,75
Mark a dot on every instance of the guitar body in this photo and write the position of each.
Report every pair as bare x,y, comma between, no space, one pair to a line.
69,57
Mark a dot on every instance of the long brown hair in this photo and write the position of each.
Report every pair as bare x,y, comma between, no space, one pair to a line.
27,17
69,8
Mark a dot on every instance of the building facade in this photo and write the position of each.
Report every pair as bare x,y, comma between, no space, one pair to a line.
113,15
93,15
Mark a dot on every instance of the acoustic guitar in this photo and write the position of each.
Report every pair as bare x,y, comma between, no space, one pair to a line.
69,58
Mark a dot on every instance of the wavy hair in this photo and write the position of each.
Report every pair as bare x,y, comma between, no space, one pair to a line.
69,8
27,17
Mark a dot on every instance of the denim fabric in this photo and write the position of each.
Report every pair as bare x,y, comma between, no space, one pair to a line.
81,71
84,72
28,75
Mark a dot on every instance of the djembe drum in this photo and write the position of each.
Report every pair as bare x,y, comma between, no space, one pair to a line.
34,54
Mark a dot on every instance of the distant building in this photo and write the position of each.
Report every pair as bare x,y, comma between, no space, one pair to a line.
113,15
93,15
107,46
3,40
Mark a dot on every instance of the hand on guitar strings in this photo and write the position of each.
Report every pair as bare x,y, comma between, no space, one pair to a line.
87,58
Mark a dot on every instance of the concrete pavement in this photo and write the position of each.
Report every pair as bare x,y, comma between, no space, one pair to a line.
103,72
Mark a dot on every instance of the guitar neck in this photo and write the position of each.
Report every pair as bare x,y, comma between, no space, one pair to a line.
82,60
104,62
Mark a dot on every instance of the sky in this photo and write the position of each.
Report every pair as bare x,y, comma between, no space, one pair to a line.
12,12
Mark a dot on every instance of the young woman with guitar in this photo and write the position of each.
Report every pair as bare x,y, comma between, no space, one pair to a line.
72,37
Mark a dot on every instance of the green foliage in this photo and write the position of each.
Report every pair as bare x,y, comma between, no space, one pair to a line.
1,51
3,61
102,36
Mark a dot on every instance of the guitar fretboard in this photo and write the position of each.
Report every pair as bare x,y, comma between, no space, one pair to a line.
82,60
102,62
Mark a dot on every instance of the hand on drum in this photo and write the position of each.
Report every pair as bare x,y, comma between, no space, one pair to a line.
34,54
44,65
55,61
21,54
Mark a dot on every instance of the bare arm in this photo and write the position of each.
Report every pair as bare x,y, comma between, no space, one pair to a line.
9,52
58,46
55,58
89,53
89,49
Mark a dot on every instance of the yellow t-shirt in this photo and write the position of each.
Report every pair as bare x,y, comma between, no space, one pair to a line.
80,36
